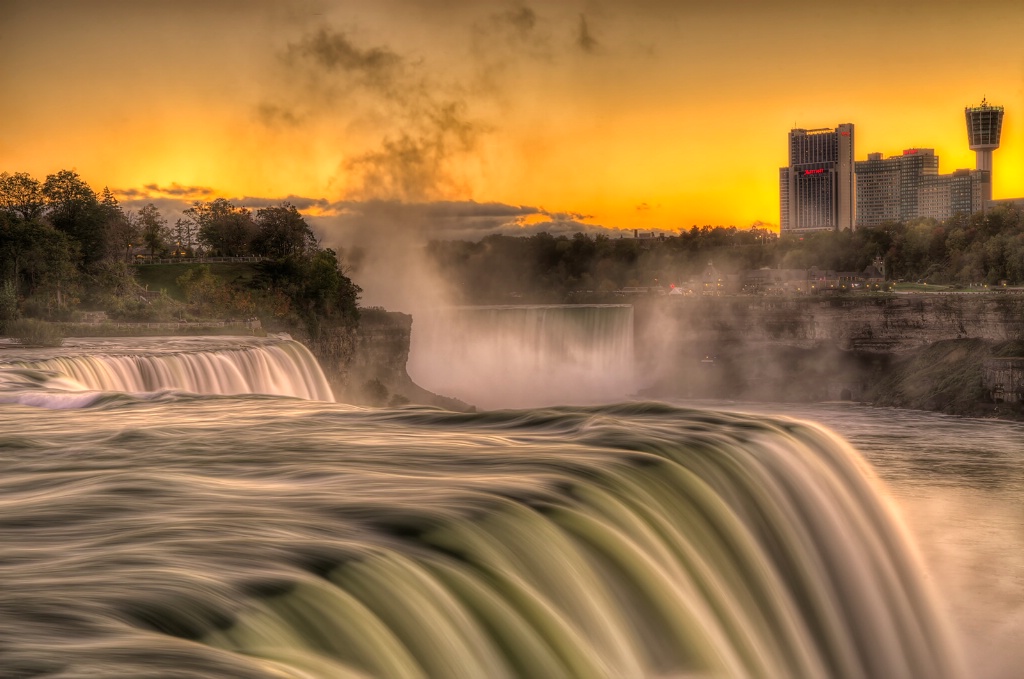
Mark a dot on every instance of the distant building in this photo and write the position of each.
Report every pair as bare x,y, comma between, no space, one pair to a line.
909,186
878,189
823,188
888,189
946,195
817,188
984,126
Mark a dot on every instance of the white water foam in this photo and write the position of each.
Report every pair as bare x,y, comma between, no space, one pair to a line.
77,376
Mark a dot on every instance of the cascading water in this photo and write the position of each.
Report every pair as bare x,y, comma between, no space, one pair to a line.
286,538
518,356
212,366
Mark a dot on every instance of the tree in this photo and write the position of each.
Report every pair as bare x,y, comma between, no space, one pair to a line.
153,229
282,232
120,229
227,230
184,235
8,303
21,196
72,207
320,293
39,260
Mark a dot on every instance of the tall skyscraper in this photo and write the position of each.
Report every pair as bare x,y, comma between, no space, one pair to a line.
984,125
817,189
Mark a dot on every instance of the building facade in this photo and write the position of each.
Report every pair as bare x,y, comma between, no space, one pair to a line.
889,189
817,190
946,195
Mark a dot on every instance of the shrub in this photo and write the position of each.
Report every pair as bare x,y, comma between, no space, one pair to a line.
8,304
34,332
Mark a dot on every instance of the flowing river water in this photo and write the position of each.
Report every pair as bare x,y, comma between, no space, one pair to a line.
202,508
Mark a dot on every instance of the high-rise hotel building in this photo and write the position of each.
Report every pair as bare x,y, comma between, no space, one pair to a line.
817,188
908,186
823,188
889,189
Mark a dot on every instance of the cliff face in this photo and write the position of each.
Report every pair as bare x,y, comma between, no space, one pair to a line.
915,351
892,324
938,352
377,374
382,348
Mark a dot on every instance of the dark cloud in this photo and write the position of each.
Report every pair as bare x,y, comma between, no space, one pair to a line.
584,39
274,114
176,189
503,41
366,223
153,191
523,19
299,202
376,67
360,221
414,166
423,121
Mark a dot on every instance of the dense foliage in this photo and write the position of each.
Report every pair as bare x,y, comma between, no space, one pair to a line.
966,250
63,247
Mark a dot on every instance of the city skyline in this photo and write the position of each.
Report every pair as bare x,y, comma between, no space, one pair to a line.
475,117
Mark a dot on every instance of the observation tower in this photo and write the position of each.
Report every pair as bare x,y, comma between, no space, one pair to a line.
984,123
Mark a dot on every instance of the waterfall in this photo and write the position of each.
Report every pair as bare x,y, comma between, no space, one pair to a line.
764,554
297,539
521,356
276,367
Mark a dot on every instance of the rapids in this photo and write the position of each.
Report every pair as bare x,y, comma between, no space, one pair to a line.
197,535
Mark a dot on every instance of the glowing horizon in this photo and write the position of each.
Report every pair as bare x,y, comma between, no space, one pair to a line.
645,115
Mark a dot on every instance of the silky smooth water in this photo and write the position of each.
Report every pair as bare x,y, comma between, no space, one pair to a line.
959,485
197,535
83,369
525,355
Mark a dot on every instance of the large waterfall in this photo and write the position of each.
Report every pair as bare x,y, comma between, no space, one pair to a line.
168,533
517,356
285,538
214,366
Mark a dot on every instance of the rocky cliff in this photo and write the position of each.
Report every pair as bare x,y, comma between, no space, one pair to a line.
377,374
891,323
917,351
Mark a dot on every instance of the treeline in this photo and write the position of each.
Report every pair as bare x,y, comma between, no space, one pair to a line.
975,249
64,247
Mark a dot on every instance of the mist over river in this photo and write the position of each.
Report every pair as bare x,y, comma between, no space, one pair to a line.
204,509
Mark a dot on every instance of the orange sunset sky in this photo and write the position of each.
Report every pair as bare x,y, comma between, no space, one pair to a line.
615,113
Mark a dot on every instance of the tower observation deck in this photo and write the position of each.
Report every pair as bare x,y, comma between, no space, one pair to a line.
984,124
